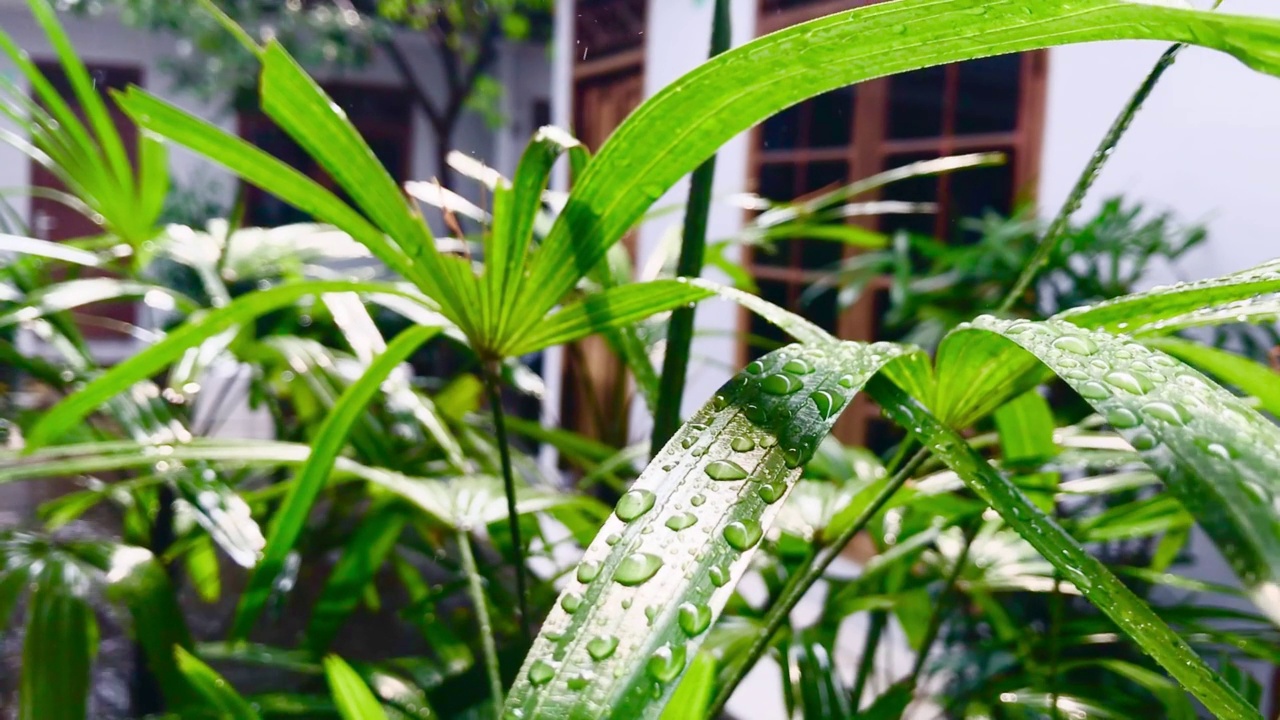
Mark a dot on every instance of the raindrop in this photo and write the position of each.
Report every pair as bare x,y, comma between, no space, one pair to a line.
1122,418
1143,441
613,539
541,672
1092,390
666,663
682,520
650,613
587,571
719,576
1168,412
743,534
826,402
571,602
601,646
846,381
771,493
634,503
742,443
1218,450
1076,345
693,619
781,384
580,681
1135,383
755,367
755,414
798,366
636,568
725,470
698,500
792,457
719,402
767,441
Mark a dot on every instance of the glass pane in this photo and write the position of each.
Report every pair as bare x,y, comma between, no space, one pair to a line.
822,254
977,192
915,103
916,190
782,131
830,118
987,98
777,181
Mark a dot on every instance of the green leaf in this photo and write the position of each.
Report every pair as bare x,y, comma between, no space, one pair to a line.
362,556
289,519
680,127
71,294
46,249
264,171
57,651
662,568
1252,378
609,309
1214,453
68,413
1164,310
215,693
692,698
1026,426
1090,576
353,697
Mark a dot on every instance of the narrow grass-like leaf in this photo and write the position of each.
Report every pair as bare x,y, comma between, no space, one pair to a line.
692,698
353,697
1026,428
1154,312
58,648
288,521
1252,378
74,408
72,294
663,566
1215,453
215,694
677,129
46,249
609,309
261,169
362,555
1090,576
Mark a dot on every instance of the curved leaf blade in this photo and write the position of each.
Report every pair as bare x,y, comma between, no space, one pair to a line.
353,697
288,521
215,693
673,132
663,566
1254,379
1213,451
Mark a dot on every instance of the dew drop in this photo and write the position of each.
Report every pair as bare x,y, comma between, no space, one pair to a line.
636,568
587,571
698,500
743,534
1092,390
719,576
650,612
571,602
1076,345
725,470
1168,412
634,503
846,381
792,457
1218,450
580,680
1122,418
770,493
541,672
693,619
755,413
1135,383
755,367
781,384
601,646
742,443
826,402
613,539
1143,441
682,520
666,663
767,441
719,402
798,366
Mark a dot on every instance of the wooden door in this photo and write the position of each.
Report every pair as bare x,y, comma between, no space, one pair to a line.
596,385
52,220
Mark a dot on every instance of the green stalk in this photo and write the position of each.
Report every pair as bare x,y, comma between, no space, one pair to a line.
491,377
941,606
1055,642
808,574
1053,235
482,618
693,246
875,628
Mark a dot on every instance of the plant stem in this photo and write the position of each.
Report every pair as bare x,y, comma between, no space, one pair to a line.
1053,235
941,606
806,576
509,487
482,618
693,246
875,628
1055,635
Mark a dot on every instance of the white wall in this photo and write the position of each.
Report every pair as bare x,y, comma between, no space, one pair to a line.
1204,146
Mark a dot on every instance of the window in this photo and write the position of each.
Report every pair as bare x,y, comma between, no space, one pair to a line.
382,115
992,104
